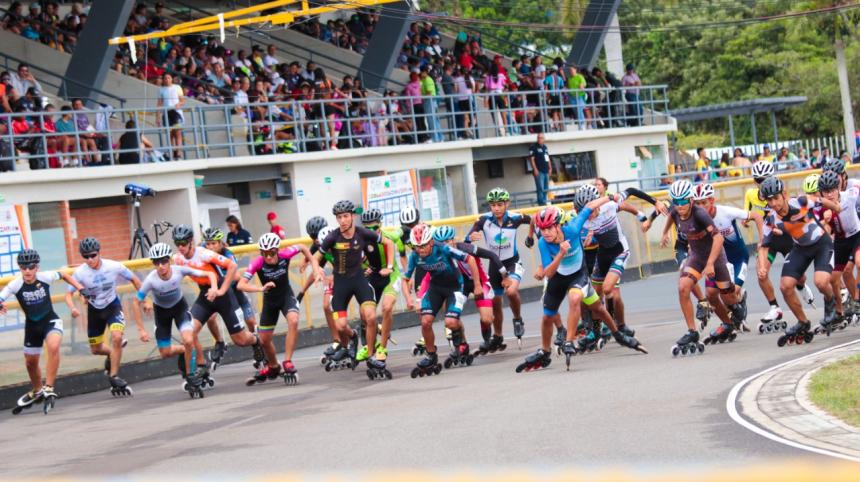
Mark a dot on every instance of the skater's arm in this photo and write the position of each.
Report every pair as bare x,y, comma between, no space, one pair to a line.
476,276
71,281
664,237
474,233
827,203
228,277
756,217
389,256
716,248
550,270
319,275
629,208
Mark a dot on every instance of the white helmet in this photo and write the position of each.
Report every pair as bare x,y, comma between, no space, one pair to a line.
160,250
324,232
681,189
269,241
409,215
762,169
421,234
703,191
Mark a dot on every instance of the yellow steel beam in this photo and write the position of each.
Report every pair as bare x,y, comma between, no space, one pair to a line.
240,18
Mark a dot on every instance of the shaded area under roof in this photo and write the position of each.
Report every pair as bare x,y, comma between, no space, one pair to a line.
739,108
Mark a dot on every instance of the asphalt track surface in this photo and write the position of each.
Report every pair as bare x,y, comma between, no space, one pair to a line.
614,409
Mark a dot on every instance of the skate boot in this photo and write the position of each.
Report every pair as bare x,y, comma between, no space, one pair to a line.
590,342
535,361
429,365
50,397
27,400
560,336
772,322
449,335
120,388
745,311
569,350
629,342
420,348
259,355
689,343
605,333
626,330
703,313
327,354
808,296
216,354
737,315
206,381
289,373
376,369
830,321
194,386
460,356
339,360
264,374
496,343
519,331
363,354
724,332
799,333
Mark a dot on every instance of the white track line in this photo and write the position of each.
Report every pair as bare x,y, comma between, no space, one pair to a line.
731,407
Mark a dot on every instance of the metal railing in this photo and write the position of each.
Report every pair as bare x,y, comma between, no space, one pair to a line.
320,124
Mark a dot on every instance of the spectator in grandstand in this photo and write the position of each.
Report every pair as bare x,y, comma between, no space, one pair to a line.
22,80
631,82
766,155
702,166
237,235
172,98
5,93
815,158
665,180
428,91
720,167
464,86
416,106
494,84
272,218
553,85
741,164
86,133
131,143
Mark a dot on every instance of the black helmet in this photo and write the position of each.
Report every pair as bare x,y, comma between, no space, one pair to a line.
829,180
28,257
370,216
835,165
771,187
213,234
182,232
89,245
342,207
584,195
314,225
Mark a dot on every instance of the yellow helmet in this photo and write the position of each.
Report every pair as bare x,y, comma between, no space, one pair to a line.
810,184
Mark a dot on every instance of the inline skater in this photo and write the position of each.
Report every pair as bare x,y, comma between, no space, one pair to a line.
213,240
385,288
812,245
562,264
725,219
481,290
499,230
273,269
317,228
844,228
777,244
612,253
225,303
42,326
706,258
838,166
170,308
445,287
348,246
99,279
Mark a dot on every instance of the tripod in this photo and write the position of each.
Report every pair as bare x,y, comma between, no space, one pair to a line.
140,242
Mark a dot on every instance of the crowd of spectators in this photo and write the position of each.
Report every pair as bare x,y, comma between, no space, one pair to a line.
41,22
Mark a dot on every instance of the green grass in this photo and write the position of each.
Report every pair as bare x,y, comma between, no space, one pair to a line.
836,389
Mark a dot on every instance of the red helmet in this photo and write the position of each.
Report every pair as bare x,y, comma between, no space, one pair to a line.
548,217
421,234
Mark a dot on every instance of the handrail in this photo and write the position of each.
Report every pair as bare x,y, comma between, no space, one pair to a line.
285,42
63,79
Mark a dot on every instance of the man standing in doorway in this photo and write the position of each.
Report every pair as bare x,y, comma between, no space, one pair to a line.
541,168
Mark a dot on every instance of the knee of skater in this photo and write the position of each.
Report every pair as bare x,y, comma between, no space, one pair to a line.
787,285
165,352
426,322
95,349
822,284
292,325
31,362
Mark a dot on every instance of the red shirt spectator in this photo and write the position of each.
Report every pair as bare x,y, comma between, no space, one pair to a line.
466,60
272,218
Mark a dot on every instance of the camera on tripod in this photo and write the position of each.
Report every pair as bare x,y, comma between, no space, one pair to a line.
139,190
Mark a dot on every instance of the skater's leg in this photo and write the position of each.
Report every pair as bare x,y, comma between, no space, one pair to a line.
546,328
787,285
618,302
52,351
212,324
685,286
697,292
513,294
849,278
387,318
368,315
292,335
574,312
329,317
427,332
498,315
116,350
836,278
32,364
822,282
765,284
266,341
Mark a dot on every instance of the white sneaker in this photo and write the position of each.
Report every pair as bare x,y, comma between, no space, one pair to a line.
774,314
808,296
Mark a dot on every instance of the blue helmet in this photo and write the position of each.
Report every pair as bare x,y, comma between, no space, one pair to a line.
443,233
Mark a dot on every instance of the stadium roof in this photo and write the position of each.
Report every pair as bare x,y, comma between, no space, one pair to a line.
742,107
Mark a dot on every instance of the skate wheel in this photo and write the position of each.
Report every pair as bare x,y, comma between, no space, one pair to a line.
328,367
469,360
808,337
780,342
370,374
414,351
701,348
448,363
323,360
520,367
387,374
437,369
600,344
17,410
414,373
250,382
421,373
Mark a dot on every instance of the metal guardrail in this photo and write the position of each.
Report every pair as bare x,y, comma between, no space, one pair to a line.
323,124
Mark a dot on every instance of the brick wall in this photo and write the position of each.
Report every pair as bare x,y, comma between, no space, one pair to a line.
109,224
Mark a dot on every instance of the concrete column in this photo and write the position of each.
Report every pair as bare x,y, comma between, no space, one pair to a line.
612,48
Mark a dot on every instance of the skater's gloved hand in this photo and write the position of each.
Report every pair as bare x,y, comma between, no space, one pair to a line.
268,286
475,237
300,296
211,293
708,271
529,242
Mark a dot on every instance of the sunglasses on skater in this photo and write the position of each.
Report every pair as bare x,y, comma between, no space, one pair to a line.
680,202
27,267
269,254
183,242
89,255
160,261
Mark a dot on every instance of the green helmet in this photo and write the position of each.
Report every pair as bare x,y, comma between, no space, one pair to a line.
810,184
498,195
213,234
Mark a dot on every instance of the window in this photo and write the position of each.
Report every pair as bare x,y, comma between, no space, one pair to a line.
495,168
574,166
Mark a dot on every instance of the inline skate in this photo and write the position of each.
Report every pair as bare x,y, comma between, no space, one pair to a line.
50,397
341,359
420,348
429,365
569,350
799,333
194,386
120,388
589,343
263,375
496,343
724,332
629,342
258,354
27,400
376,369
216,354
459,356
519,331
560,336
772,322
535,361
688,344
703,313
329,352
289,373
